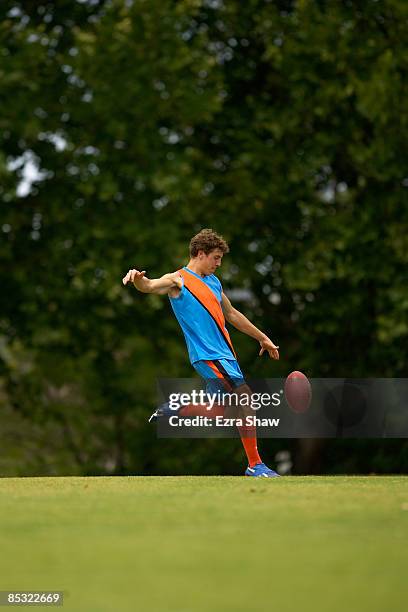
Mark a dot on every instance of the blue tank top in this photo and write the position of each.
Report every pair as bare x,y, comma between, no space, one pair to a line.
203,338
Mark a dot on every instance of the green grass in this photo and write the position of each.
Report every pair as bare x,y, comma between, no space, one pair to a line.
200,544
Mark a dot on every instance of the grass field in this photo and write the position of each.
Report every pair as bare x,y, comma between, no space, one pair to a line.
187,544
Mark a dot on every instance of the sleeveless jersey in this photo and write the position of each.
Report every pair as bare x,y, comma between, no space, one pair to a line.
198,310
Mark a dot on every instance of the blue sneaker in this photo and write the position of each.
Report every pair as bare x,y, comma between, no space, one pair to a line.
260,470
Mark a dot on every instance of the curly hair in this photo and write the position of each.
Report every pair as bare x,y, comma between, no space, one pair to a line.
207,240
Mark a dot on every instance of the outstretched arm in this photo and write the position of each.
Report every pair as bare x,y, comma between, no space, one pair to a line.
238,320
160,285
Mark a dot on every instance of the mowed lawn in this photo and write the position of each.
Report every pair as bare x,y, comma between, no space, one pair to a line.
199,544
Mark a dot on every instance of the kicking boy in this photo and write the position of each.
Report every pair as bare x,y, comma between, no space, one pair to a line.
201,308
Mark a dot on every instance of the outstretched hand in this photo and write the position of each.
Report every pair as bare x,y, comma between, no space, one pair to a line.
268,345
134,276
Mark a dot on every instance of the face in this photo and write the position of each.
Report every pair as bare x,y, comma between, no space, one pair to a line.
209,263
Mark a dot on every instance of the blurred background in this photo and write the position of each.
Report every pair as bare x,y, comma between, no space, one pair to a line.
128,126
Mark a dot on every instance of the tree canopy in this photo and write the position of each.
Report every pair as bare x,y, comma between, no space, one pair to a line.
127,126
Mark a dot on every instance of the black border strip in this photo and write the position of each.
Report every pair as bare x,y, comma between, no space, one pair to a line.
224,372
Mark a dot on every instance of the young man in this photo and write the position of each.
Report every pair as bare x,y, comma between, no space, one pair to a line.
201,308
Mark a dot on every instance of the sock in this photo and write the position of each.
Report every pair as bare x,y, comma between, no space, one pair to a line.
248,439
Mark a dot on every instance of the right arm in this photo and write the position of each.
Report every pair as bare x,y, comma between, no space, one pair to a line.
159,286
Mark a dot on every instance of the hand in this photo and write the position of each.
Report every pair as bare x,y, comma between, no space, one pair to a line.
268,345
135,277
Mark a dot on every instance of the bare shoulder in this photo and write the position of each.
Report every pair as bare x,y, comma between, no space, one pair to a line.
173,285
176,278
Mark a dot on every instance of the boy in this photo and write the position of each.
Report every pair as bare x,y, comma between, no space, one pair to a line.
201,307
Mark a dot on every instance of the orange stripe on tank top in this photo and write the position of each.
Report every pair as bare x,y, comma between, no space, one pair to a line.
209,301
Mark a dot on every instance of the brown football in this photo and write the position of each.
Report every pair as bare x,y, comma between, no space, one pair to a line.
298,392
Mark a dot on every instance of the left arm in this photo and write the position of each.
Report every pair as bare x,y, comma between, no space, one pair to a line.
238,320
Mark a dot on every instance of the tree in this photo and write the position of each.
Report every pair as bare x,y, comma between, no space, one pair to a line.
282,125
